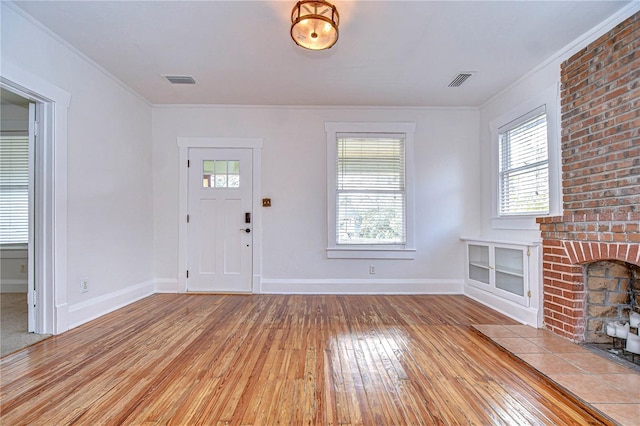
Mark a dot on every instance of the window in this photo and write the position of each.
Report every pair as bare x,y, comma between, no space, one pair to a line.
524,166
14,189
370,190
526,169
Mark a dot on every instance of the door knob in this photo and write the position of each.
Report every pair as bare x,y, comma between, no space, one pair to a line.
247,230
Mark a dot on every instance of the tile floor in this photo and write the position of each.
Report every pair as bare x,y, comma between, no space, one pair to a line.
604,384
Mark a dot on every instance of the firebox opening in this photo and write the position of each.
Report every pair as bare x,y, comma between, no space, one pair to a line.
612,306
613,291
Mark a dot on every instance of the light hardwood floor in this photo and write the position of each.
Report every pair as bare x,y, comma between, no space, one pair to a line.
290,360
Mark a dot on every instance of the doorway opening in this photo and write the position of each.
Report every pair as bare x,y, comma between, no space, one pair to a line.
18,286
48,192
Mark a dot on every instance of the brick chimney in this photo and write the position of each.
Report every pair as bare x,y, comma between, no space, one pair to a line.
600,104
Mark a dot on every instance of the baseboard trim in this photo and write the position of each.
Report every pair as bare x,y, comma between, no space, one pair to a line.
83,312
522,314
166,285
361,286
14,286
61,319
86,311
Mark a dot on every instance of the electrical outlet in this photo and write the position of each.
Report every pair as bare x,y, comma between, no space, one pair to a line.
372,269
23,269
84,285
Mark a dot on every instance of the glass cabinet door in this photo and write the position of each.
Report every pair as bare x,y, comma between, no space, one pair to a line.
509,266
479,263
503,269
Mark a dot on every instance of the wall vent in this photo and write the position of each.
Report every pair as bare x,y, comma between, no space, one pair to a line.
460,78
180,79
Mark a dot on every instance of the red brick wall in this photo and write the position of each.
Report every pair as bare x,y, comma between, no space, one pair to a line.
600,107
565,252
600,104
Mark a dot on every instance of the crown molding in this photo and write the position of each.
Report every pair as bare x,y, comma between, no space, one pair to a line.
571,48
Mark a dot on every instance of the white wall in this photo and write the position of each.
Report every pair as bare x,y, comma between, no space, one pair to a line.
294,177
109,156
13,271
526,95
544,79
122,192
531,86
541,83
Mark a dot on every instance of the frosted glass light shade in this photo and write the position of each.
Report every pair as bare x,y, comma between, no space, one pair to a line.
314,24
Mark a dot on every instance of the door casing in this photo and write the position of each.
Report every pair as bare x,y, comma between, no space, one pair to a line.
50,215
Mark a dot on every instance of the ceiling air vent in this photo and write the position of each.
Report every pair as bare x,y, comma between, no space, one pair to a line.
180,79
460,78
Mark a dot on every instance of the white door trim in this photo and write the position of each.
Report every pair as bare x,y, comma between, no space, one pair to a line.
34,146
51,217
255,144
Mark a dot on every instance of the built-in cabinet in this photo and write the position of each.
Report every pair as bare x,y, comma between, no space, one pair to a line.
503,269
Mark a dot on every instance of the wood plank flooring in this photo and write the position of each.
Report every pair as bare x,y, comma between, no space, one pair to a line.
290,360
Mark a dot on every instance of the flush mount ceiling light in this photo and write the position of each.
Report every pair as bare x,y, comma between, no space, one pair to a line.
314,24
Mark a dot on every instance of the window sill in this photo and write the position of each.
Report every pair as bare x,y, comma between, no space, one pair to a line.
516,222
370,253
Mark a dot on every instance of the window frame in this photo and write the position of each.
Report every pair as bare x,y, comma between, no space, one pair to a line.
507,128
369,251
549,99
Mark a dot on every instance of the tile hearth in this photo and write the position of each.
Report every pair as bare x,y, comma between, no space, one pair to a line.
608,386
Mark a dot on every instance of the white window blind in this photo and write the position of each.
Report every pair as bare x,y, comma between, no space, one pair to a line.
524,166
370,189
14,189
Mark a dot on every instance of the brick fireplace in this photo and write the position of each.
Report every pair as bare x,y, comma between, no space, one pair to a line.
600,104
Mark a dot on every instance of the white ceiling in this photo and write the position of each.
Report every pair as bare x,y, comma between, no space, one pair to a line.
390,53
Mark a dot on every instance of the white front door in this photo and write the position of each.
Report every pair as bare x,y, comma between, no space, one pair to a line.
220,220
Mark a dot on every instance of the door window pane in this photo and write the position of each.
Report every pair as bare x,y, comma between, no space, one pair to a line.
207,173
233,170
221,181
221,174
